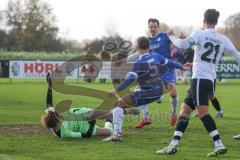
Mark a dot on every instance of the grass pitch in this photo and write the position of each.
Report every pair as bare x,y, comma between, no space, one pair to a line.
22,137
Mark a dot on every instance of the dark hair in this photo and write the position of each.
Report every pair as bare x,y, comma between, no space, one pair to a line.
211,16
143,43
153,20
51,119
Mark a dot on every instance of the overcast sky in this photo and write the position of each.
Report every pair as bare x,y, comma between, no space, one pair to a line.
87,19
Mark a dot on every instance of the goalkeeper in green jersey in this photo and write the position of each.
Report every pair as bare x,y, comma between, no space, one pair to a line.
77,122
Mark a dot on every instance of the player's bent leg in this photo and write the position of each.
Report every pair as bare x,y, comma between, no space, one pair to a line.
181,126
211,127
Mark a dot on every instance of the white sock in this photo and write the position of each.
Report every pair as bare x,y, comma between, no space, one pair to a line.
175,140
218,143
118,115
174,143
174,102
108,126
144,109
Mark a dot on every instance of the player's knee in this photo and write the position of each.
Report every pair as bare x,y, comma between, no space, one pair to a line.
173,95
120,103
170,87
202,111
185,110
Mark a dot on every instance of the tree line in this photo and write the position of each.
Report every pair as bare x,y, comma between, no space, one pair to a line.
31,26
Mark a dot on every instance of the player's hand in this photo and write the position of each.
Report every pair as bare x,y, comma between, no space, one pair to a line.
186,68
188,64
182,36
171,33
112,93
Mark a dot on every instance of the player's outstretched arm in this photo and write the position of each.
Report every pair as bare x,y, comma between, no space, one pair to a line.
184,43
173,64
130,78
168,62
180,43
231,49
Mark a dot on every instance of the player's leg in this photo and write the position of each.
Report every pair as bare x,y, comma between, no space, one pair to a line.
216,105
215,102
103,132
49,98
181,126
106,131
171,87
146,117
211,128
137,98
118,116
201,90
100,114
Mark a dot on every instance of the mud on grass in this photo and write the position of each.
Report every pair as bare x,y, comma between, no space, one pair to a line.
23,129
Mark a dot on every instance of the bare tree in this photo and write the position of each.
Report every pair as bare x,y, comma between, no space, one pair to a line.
232,29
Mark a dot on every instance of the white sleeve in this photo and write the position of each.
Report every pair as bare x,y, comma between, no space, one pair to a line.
231,49
186,43
133,57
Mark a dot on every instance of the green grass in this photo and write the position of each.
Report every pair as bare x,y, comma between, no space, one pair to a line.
22,102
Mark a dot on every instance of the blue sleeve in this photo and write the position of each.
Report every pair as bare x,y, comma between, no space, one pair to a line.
168,62
160,59
130,78
173,64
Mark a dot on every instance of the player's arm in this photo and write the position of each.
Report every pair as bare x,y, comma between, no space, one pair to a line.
129,79
168,62
67,133
184,43
231,49
132,58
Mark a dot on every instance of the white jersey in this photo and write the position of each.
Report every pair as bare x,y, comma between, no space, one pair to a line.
210,46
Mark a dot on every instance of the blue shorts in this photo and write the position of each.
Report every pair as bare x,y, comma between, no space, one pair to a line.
169,76
141,97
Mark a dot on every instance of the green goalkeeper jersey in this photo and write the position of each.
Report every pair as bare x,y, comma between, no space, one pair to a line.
76,122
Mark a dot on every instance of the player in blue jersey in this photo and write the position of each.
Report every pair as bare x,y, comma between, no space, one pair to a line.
146,70
160,43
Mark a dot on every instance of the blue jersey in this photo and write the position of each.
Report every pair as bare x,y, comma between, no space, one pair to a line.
147,70
160,44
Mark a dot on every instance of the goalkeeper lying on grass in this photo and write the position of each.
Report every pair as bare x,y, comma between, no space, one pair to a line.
74,122
77,122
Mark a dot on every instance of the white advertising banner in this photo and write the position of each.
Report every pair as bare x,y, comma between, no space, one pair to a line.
37,69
